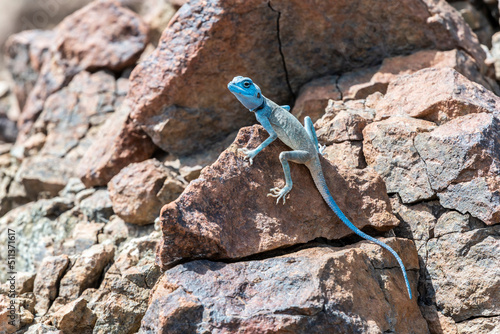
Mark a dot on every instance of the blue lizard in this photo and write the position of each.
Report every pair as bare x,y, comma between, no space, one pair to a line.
279,123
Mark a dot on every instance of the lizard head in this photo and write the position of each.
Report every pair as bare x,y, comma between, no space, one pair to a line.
246,92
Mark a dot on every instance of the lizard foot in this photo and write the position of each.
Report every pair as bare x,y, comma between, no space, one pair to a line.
248,154
279,193
321,149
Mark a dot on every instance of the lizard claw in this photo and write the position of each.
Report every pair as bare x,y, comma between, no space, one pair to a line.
247,154
321,149
279,193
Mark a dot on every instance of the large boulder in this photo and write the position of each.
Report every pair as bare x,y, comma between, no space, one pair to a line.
226,213
183,82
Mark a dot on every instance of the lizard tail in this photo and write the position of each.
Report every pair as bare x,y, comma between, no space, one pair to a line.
320,182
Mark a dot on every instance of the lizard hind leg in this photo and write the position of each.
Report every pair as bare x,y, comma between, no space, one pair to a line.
298,156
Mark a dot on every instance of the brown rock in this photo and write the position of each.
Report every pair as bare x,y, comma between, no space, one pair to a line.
25,282
100,35
361,83
75,317
166,88
348,154
480,326
197,225
86,271
437,95
140,189
313,97
389,149
121,143
316,290
43,329
47,280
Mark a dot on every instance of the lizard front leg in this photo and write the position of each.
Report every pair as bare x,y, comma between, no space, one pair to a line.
250,154
298,156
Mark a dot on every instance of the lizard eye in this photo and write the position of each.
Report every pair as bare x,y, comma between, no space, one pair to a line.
246,84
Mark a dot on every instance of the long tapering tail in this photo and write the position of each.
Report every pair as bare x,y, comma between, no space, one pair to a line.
320,182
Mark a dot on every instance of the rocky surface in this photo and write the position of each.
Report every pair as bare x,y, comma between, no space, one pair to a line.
316,290
198,225
166,86
405,102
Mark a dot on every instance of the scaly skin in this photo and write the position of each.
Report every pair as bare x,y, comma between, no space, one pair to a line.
279,123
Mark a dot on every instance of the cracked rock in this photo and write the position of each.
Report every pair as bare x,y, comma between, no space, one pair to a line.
198,225
47,281
316,290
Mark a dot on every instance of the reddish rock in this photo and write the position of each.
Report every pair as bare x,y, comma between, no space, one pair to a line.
139,191
100,35
175,87
121,143
361,83
46,283
86,271
316,290
389,149
75,317
437,95
313,98
198,225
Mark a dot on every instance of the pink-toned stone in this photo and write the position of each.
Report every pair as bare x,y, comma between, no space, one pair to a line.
198,225
86,271
100,35
121,143
75,317
46,283
361,83
176,86
389,149
140,189
316,290
437,95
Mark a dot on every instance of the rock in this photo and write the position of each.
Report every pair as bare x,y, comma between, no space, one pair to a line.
314,290
86,40
43,329
343,121
140,189
313,97
121,143
197,225
97,207
437,95
389,149
476,20
459,270
86,271
361,83
495,52
480,326
24,282
122,298
26,52
8,319
84,236
47,280
348,154
166,88
462,161
75,317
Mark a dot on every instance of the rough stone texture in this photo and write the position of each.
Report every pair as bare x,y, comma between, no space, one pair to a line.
122,298
198,225
100,35
459,269
139,191
97,207
389,149
361,83
212,37
437,95
47,281
26,52
121,143
316,290
313,97
348,154
86,271
462,161
75,317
